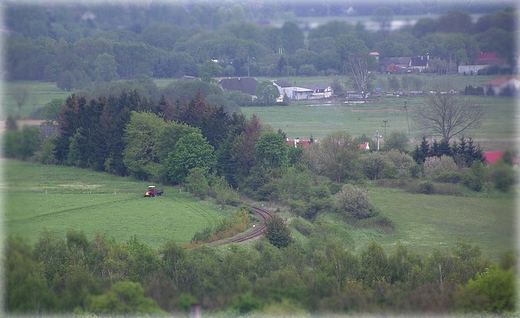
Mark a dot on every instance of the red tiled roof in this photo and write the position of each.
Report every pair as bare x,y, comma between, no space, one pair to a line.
493,156
500,80
304,143
487,56
364,146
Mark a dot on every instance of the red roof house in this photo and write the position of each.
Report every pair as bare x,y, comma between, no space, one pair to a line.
493,156
297,141
501,83
364,146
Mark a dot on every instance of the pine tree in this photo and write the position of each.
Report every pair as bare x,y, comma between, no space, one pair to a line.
434,149
421,151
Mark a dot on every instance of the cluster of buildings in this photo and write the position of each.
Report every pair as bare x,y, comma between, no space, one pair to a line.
248,85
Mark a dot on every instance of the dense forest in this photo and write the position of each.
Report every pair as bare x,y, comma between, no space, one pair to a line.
78,44
100,276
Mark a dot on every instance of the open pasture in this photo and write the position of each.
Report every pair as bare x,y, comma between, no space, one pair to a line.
37,95
424,222
318,118
63,198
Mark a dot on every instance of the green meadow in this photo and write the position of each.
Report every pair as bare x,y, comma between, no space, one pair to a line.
304,119
424,222
63,198
38,94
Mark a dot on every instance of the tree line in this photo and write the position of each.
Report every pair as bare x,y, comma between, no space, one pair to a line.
198,145
99,276
237,47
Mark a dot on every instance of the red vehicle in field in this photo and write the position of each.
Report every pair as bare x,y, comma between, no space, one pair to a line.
153,192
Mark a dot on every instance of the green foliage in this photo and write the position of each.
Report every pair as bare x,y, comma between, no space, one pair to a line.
426,187
267,93
295,184
354,201
141,154
374,263
197,183
105,68
335,157
209,70
492,291
503,176
374,163
271,150
22,144
225,194
47,151
125,298
191,151
434,166
26,287
277,232
397,140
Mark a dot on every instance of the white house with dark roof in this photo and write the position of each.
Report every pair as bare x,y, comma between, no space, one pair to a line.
302,93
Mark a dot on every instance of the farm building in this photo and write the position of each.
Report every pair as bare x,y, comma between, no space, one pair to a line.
245,85
501,85
304,143
482,61
302,93
397,65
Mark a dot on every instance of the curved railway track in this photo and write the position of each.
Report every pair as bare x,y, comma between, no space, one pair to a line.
263,215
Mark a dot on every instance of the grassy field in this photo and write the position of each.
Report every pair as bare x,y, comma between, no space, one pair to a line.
38,94
427,221
64,198
303,119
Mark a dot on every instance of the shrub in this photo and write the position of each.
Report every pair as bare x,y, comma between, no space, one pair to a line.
475,179
298,207
398,140
390,172
415,170
403,163
277,232
224,194
503,176
433,166
373,164
448,189
427,188
196,182
355,201
448,177
378,222
304,227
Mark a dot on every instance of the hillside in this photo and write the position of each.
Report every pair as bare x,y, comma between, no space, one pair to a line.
63,198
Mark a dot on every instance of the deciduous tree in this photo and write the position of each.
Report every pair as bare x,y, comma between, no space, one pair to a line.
277,232
447,114
191,151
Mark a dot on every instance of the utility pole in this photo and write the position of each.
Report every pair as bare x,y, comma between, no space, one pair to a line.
385,122
377,135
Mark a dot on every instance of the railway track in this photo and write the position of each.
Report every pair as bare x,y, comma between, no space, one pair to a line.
263,215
